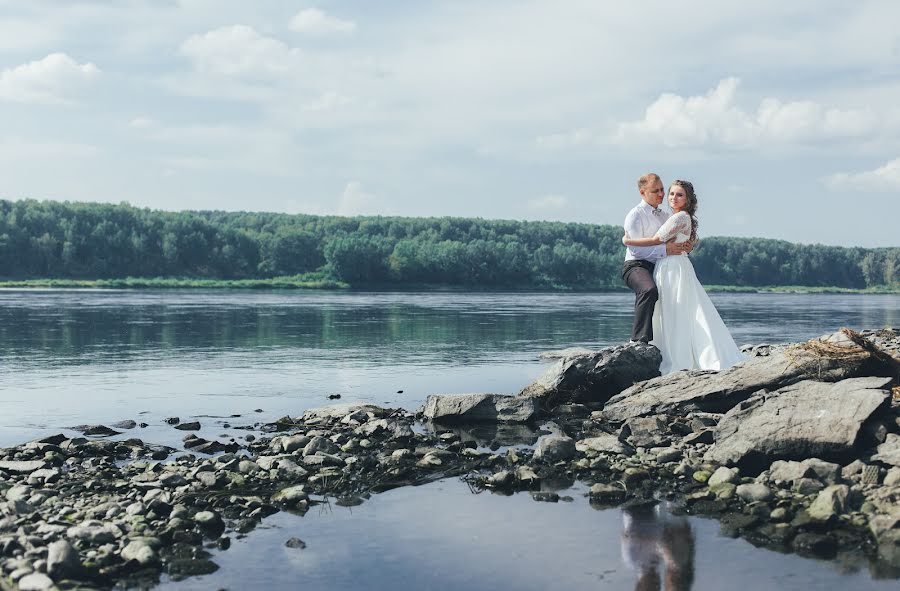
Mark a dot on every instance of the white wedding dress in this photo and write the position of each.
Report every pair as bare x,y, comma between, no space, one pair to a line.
687,329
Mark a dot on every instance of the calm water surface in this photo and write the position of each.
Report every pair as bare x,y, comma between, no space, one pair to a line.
241,357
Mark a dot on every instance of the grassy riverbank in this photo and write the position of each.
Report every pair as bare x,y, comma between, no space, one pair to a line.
289,282
320,281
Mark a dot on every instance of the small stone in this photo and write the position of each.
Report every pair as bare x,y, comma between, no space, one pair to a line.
35,582
555,448
723,474
701,476
780,514
669,454
808,486
545,497
62,560
830,503
139,551
607,493
753,492
295,543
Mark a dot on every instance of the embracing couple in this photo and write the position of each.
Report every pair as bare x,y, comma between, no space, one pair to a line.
671,308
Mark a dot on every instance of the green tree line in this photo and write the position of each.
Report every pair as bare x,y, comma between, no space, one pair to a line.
47,239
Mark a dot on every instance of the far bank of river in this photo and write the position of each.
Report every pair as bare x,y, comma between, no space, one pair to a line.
320,282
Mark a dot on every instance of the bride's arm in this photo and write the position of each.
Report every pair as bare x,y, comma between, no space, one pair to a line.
680,222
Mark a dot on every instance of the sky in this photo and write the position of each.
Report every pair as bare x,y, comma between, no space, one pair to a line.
784,115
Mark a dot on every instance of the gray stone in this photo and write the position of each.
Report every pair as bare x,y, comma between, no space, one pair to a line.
889,451
19,492
463,408
668,454
830,503
807,486
718,391
291,495
339,411
139,551
320,444
210,522
93,532
808,419
62,560
892,478
722,475
645,431
35,582
22,467
555,448
603,443
293,443
854,468
172,480
753,492
595,377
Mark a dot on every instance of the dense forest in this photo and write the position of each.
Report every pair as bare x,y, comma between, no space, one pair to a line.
45,239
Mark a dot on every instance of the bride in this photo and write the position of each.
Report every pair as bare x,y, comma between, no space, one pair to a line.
687,329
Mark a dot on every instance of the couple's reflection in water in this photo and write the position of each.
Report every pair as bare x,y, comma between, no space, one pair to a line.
659,547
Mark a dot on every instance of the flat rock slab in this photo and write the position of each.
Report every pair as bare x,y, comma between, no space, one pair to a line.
718,391
338,411
806,420
594,376
22,466
473,408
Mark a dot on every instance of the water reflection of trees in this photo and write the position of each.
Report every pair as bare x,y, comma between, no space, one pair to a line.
73,334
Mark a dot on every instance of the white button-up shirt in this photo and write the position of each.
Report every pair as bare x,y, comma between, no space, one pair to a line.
642,222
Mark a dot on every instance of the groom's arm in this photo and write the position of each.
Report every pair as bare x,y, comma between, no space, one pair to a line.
634,228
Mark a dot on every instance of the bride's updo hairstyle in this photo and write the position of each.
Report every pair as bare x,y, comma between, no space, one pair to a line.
691,206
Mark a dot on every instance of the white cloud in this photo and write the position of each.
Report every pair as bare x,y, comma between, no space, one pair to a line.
548,203
240,51
716,118
884,178
312,21
356,201
55,79
141,123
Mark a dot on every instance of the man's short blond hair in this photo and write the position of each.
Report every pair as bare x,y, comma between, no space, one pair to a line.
646,179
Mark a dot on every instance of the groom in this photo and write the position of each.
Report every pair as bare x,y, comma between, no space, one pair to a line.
642,222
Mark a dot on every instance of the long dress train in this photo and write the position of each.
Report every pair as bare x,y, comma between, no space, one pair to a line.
687,328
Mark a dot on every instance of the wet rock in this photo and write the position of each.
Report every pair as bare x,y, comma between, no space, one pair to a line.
127,424
822,418
595,377
189,567
462,408
607,493
830,503
545,496
293,443
555,448
210,522
291,495
320,444
338,411
819,545
295,543
191,426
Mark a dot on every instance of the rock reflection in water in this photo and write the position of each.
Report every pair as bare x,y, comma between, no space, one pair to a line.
659,546
489,435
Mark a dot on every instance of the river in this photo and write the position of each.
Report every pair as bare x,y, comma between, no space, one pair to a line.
233,359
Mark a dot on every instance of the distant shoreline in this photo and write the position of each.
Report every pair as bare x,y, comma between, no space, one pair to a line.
292,283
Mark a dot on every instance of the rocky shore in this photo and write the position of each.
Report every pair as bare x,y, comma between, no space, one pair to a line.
796,449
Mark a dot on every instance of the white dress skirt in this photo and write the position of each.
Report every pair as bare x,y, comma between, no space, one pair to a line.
687,328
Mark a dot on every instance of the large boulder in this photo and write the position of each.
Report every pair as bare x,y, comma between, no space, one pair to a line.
828,359
474,408
806,420
594,376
